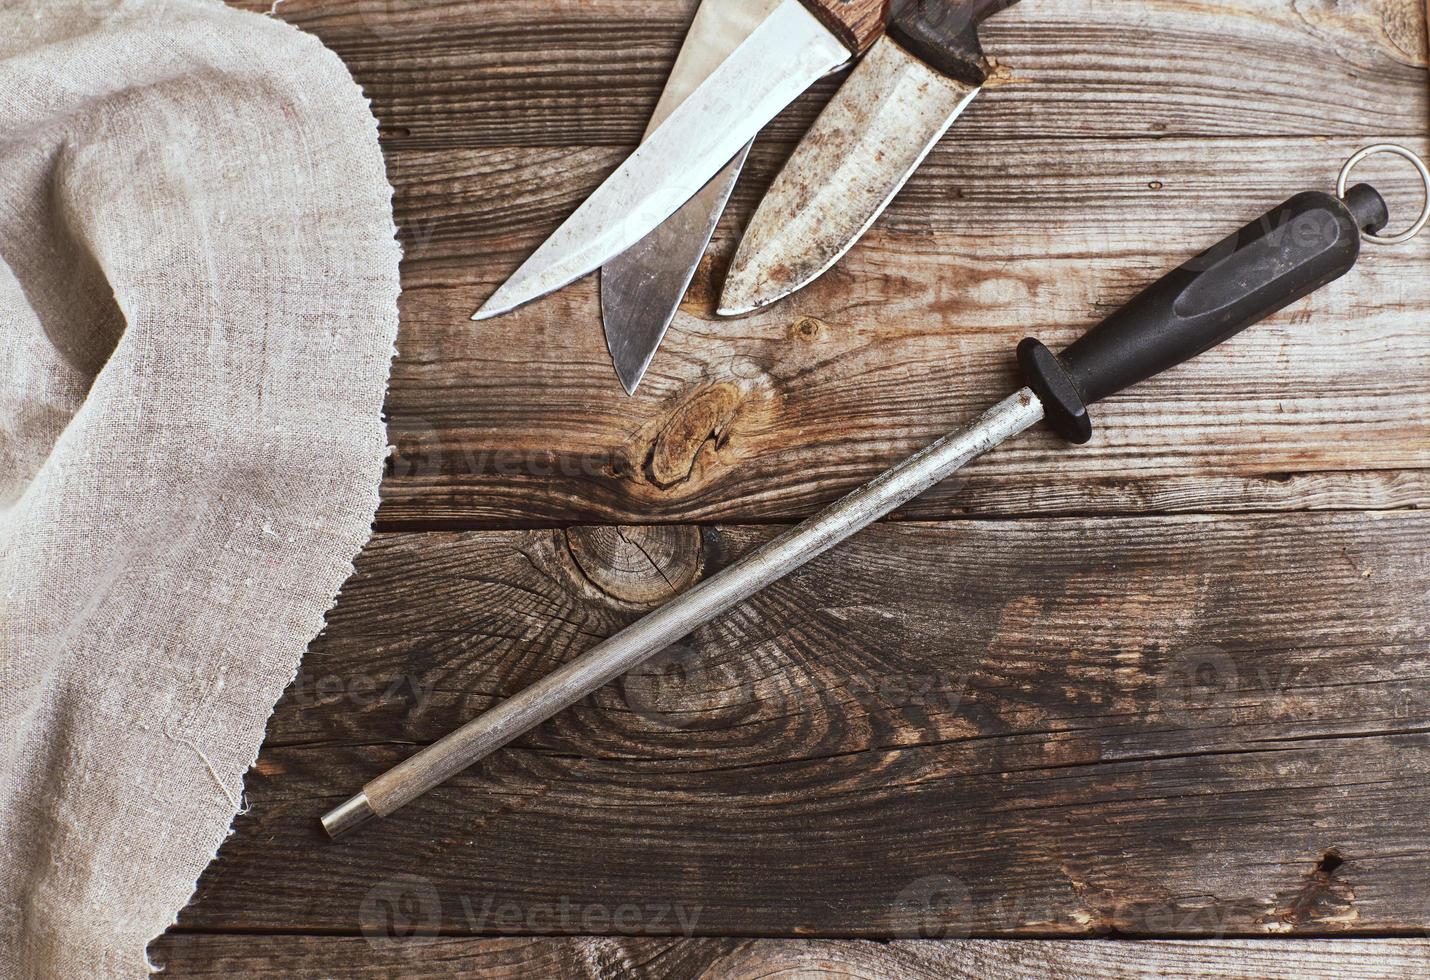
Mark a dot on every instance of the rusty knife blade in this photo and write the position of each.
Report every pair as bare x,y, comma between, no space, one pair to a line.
873,135
641,290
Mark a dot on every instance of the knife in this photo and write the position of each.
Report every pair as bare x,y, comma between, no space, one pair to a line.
886,118
641,290
796,45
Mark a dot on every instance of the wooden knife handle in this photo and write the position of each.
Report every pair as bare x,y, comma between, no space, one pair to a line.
944,33
858,23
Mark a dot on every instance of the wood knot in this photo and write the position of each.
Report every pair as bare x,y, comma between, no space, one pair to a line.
1403,22
704,420
807,328
642,566
1323,899
1396,26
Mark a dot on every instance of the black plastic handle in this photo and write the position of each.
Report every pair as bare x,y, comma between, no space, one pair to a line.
1290,252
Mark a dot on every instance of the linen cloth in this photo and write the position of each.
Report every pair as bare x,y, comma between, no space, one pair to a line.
198,287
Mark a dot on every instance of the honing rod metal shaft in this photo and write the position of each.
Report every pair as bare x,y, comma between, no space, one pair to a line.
1289,252
703,602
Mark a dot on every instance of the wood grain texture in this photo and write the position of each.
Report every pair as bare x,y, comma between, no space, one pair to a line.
519,420
321,957
985,728
1093,166
446,74
858,23
1157,704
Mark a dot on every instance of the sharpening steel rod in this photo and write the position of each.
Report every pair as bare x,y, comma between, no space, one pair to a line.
1309,241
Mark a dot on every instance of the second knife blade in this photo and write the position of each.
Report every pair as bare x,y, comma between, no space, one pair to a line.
641,290
875,132
868,141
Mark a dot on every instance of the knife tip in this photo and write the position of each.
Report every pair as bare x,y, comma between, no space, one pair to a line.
734,308
630,379
741,299
498,303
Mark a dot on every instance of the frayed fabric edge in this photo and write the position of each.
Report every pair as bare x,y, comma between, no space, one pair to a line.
392,241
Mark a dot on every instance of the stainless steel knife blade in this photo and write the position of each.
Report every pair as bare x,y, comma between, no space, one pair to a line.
873,135
786,54
642,289
890,113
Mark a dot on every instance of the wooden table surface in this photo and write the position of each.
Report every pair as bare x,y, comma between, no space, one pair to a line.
1172,686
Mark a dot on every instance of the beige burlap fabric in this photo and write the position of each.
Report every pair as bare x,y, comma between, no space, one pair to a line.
198,285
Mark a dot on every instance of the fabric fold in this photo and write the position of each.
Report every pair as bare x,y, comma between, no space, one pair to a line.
198,306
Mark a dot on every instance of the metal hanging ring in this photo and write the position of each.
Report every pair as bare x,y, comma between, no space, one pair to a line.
1419,164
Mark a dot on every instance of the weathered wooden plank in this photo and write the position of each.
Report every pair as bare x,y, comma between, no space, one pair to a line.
466,215
520,419
1150,727
509,72
315,957
1171,726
